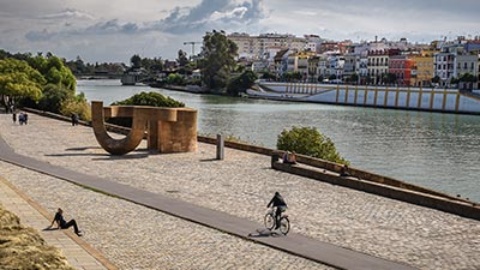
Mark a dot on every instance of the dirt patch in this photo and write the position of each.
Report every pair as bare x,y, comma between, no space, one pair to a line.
24,248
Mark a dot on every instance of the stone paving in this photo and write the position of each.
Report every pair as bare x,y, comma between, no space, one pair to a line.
241,185
79,254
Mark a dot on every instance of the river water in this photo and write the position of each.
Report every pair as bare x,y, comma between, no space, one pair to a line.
437,151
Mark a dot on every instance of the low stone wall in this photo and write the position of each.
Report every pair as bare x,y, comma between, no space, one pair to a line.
457,207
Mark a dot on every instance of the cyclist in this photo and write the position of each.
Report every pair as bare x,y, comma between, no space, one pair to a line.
278,202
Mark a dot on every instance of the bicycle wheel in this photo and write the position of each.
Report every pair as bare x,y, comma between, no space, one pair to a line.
284,225
269,221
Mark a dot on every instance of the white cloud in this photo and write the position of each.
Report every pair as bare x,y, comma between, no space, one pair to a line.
237,12
115,30
68,14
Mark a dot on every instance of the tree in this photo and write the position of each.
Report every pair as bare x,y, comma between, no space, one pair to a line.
389,78
53,97
78,105
309,141
19,80
219,59
175,79
354,78
241,83
136,61
467,80
269,76
182,58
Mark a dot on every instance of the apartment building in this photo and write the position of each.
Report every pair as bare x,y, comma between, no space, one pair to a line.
445,63
378,64
255,47
402,66
423,70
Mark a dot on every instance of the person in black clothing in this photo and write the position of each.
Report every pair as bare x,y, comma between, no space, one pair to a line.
344,171
74,119
62,224
278,202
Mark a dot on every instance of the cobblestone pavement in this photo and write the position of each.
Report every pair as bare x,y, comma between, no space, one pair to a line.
135,237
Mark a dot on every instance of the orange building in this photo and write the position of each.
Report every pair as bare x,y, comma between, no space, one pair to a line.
402,67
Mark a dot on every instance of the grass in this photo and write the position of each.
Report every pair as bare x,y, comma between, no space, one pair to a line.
24,248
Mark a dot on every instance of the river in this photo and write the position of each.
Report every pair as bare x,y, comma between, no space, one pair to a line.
437,151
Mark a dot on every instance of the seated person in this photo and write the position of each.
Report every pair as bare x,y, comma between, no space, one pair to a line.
62,224
344,171
289,158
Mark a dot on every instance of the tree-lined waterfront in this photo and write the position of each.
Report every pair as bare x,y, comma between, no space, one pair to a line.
438,151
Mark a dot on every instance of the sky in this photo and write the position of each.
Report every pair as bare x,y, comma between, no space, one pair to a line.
113,31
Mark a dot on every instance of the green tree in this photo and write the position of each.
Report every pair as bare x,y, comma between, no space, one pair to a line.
310,142
389,78
19,80
175,79
53,97
77,104
182,58
269,76
241,83
219,59
136,61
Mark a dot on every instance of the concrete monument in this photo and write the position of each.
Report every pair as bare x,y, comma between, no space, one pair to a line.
168,130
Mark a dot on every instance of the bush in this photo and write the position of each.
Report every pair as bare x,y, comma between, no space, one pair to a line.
53,97
153,99
77,105
310,142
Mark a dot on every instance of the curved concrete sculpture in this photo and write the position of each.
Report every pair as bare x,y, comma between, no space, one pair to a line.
168,130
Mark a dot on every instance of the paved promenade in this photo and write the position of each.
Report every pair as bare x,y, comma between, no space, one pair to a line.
78,253
241,185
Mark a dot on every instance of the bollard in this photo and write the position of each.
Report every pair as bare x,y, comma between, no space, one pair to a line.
275,158
220,147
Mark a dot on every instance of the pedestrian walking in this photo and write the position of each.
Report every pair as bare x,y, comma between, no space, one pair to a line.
74,119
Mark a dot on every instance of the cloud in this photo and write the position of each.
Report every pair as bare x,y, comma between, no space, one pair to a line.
68,14
112,27
43,35
210,14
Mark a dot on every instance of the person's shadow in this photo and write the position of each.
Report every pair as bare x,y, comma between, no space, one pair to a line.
264,233
50,229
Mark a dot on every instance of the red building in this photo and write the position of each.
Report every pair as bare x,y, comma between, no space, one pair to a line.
402,67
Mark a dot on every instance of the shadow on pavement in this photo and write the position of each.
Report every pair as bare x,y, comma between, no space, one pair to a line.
264,233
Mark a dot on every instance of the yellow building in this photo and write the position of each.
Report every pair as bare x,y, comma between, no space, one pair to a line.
423,68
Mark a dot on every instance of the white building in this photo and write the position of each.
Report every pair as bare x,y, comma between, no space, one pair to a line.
254,47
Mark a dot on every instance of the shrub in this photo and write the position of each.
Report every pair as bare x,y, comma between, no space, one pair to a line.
153,99
78,105
310,142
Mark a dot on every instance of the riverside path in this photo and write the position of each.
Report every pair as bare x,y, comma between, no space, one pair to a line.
84,164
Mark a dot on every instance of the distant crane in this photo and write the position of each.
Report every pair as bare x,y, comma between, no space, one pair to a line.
193,45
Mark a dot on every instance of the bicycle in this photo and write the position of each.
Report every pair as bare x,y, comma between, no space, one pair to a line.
270,221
